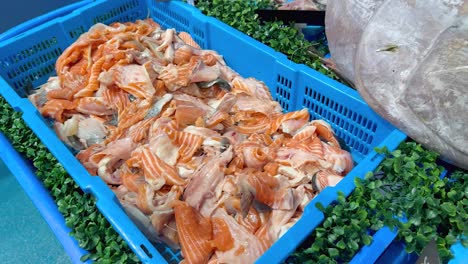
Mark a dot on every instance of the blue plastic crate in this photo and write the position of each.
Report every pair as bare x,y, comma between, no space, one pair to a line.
29,57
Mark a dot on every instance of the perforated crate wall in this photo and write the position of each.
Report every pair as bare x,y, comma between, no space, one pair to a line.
355,129
283,92
127,11
31,65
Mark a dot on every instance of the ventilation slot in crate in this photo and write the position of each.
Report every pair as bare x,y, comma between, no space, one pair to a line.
199,37
167,18
128,11
74,34
283,92
172,257
356,130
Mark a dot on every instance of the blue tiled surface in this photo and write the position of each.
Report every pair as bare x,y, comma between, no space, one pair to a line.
24,235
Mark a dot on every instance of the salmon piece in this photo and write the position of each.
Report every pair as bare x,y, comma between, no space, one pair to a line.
144,200
290,122
213,260
117,58
341,160
117,99
176,77
297,157
262,139
188,143
195,234
84,155
188,39
135,159
108,157
160,88
271,169
222,111
247,247
263,191
268,191
278,141
279,218
209,59
163,147
309,194
167,39
189,109
234,137
69,56
252,87
248,123
93,106
87,60
170,110
115,134
135,112
304,133
254,155
54,108
157,128
239,85
325,178
248,103
153,166
134,79
315,147
200,192
140,130
186,114
132,44
79,68
132,181
222,237
146,26
64,93
311,145
151,23
145,161
164,207
183,55
264,237
93,82
325,131
204,73
90,130
202,132
296,177
251,222
235,165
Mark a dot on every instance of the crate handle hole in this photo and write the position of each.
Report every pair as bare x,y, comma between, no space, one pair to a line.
146,251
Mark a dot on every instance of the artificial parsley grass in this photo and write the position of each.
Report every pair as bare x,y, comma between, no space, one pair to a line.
407,185
89,227
241,15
